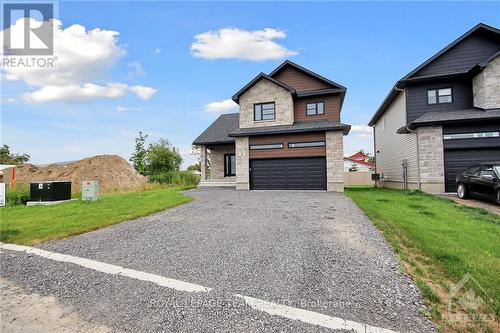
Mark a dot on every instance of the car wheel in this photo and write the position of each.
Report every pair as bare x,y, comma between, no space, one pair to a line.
462,191
498,197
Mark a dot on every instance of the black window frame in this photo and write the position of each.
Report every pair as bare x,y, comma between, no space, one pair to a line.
228,170
261,109
255,146
290,144
436,91
315,109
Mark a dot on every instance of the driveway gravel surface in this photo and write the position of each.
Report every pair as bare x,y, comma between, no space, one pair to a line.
310,250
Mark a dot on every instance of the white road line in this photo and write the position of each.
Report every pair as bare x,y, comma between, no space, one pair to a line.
271,308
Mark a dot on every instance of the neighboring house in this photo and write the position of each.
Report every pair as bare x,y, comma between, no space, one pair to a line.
287,135
358,162
442,116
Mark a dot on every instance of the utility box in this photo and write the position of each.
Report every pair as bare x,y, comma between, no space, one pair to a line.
50,191
90,190
2,194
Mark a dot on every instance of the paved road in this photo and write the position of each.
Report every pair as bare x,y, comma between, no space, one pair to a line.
309,250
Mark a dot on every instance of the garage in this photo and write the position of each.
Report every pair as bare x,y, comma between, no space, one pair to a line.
456,161
307,173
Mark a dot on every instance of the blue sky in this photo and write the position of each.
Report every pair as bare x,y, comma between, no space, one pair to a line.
364,46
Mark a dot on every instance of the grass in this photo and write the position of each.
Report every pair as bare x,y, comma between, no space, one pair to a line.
438,243
36,224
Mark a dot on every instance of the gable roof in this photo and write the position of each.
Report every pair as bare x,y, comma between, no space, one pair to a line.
369,164
395,90
288,63
217,132
250,84
358,155
480,26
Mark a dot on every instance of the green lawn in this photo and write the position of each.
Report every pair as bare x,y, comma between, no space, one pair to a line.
36,224
437,240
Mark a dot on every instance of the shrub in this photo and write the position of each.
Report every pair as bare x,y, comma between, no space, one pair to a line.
17,196
183,178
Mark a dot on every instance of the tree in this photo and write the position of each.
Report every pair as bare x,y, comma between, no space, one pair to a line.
194,167
6,157
162,156
139,155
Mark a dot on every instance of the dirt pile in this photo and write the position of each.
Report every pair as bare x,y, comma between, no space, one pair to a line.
112,172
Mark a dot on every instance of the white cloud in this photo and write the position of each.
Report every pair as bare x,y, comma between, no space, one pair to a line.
143,92
82,57
10,100
222,106
362,129
136,70
237,43
127,108
157,51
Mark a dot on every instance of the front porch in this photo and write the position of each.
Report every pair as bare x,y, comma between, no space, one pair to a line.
218,166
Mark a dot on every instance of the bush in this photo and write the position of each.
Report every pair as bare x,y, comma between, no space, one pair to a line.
183,178
17,196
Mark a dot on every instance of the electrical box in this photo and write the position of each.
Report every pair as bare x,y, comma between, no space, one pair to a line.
375,176
50,191
90,190
2,194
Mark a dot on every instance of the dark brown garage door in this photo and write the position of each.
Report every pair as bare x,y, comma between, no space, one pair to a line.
456,161
288,174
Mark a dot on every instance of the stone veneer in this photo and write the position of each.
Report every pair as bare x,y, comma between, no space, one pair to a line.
261,92
334,161
486,86
217,161
242,164
431,158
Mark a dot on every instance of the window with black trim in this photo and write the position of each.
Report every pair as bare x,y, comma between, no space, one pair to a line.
306,144
264,111
478,135
229,165
266,146
313,109
439,96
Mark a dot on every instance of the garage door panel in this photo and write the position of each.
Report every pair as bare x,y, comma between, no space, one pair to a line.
288,173
457,160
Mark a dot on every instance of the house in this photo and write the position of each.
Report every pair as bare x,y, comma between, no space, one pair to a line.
358,162
442,116
287,135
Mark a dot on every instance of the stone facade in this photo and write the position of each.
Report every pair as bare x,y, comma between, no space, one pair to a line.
217,161
486,86
431,158
266,91
334,161
242,164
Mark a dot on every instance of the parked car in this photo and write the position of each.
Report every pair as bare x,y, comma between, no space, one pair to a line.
480,180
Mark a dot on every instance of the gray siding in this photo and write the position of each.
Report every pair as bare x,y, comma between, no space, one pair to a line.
471,51
392,148
416,102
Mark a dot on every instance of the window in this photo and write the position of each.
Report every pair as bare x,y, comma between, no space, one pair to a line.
267,146
471,135
487,171
472,170
229,165
264,111
306,144
313,109
439,96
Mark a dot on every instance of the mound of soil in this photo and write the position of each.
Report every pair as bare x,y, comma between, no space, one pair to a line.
112,172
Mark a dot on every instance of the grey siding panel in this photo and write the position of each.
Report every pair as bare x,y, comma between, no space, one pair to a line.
392,148
416,102
464,55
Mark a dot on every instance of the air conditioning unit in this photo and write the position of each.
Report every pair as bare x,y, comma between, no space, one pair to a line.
375,176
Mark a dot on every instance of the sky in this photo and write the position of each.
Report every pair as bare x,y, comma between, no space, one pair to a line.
169,69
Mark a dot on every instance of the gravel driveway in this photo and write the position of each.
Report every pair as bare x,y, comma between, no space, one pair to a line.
310,250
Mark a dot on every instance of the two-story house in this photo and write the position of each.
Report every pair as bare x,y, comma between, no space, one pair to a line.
287,135
442,116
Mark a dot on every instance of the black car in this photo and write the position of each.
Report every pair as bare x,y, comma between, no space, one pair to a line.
480,180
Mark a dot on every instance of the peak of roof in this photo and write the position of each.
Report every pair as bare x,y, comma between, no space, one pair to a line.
258,78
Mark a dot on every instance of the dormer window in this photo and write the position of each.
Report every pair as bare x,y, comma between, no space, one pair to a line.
264,111
439,96
313,109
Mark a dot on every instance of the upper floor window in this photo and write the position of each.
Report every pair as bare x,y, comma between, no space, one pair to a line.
264,111
439,96
266,146
313,109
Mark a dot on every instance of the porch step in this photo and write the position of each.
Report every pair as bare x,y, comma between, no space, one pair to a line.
216,183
